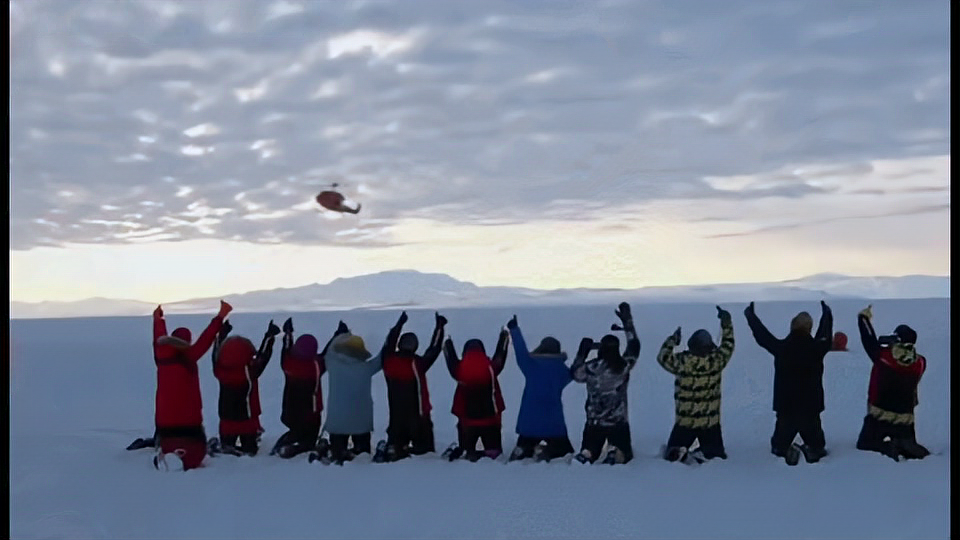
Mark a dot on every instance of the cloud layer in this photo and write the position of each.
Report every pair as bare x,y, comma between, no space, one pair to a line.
141,121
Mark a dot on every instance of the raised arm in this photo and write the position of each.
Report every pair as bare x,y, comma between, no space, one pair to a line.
341,329
393,336
159,325
867,334
520,349
825,329
725,351
436,343
287,342
203,343
225,329
632,352
578,370
450,355
666,358
499,359
760,333
266,350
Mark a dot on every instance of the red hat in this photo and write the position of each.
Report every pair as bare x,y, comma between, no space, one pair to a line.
839,342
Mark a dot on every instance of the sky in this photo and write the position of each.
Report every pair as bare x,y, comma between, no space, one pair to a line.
166,150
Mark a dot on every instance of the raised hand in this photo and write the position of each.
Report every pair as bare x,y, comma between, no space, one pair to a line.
440,319
403,318
749,309
586,344
158,313
623,311
616,327
512,323
676,335
225,309
723,315
225,329
824,306
867,311
342,328
272,329
288,325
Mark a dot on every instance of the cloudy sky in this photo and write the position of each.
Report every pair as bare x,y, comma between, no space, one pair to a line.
164,150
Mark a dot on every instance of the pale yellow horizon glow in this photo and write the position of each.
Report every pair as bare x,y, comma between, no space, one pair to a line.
649,245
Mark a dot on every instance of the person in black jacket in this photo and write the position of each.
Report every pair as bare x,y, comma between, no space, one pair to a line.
410,430
797,382
888,427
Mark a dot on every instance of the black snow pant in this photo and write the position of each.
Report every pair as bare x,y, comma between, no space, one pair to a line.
617,436
711,440
555,447
417,433
490,436
904,436
338,444
247,443
787,427
297,441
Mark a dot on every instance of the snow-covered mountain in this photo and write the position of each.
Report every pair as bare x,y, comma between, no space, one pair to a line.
412,289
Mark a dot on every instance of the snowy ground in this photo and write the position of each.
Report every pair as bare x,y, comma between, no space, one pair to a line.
82,389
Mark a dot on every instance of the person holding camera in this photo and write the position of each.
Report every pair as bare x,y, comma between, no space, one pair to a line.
607,377
697,391
888,427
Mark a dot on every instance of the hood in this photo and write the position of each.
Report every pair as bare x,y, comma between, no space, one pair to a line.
701,343
549,346
305,348
350,346
408,343
183,334
802,324
473,345
236,352
904,353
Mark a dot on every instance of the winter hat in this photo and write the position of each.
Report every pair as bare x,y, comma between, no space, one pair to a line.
906,334
473,344
182,333
408,342
353,346
609,346
802,323
236,351
700,343
548,345
305,348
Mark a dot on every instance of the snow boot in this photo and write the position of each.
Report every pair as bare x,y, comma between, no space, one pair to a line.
213,446
812,455
792,456
910,449
517,454
675,453
141,443
694,457
614,457
583,457
452,452
380,455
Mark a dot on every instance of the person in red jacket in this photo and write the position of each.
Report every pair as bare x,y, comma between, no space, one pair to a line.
888,427
302,405
410,430
477,402
238,366
179,408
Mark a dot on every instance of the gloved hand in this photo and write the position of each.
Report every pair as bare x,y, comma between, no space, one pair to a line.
225,329
724,315
749,309
158,313
512,323
586,344
225,309
272,329
824,307
676,336
867,312
440,319
403,318
288,325
342,328
623,311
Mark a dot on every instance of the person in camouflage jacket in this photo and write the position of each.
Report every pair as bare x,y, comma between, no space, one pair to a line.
697,389
607,377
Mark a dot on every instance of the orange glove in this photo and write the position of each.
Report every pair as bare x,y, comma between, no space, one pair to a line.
225,309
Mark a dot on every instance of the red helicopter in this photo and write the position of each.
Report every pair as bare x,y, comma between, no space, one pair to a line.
334,201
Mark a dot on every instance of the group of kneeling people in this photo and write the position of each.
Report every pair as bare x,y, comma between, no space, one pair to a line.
478,402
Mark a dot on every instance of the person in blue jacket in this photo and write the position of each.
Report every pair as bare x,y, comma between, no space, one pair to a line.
541,428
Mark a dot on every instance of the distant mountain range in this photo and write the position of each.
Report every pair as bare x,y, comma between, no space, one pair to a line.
405,289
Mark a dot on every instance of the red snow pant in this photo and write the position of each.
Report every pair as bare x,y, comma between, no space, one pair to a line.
189,444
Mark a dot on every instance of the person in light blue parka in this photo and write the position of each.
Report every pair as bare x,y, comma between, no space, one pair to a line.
541,409
349,403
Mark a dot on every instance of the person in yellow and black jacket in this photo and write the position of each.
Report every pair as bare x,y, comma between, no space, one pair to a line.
697,390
